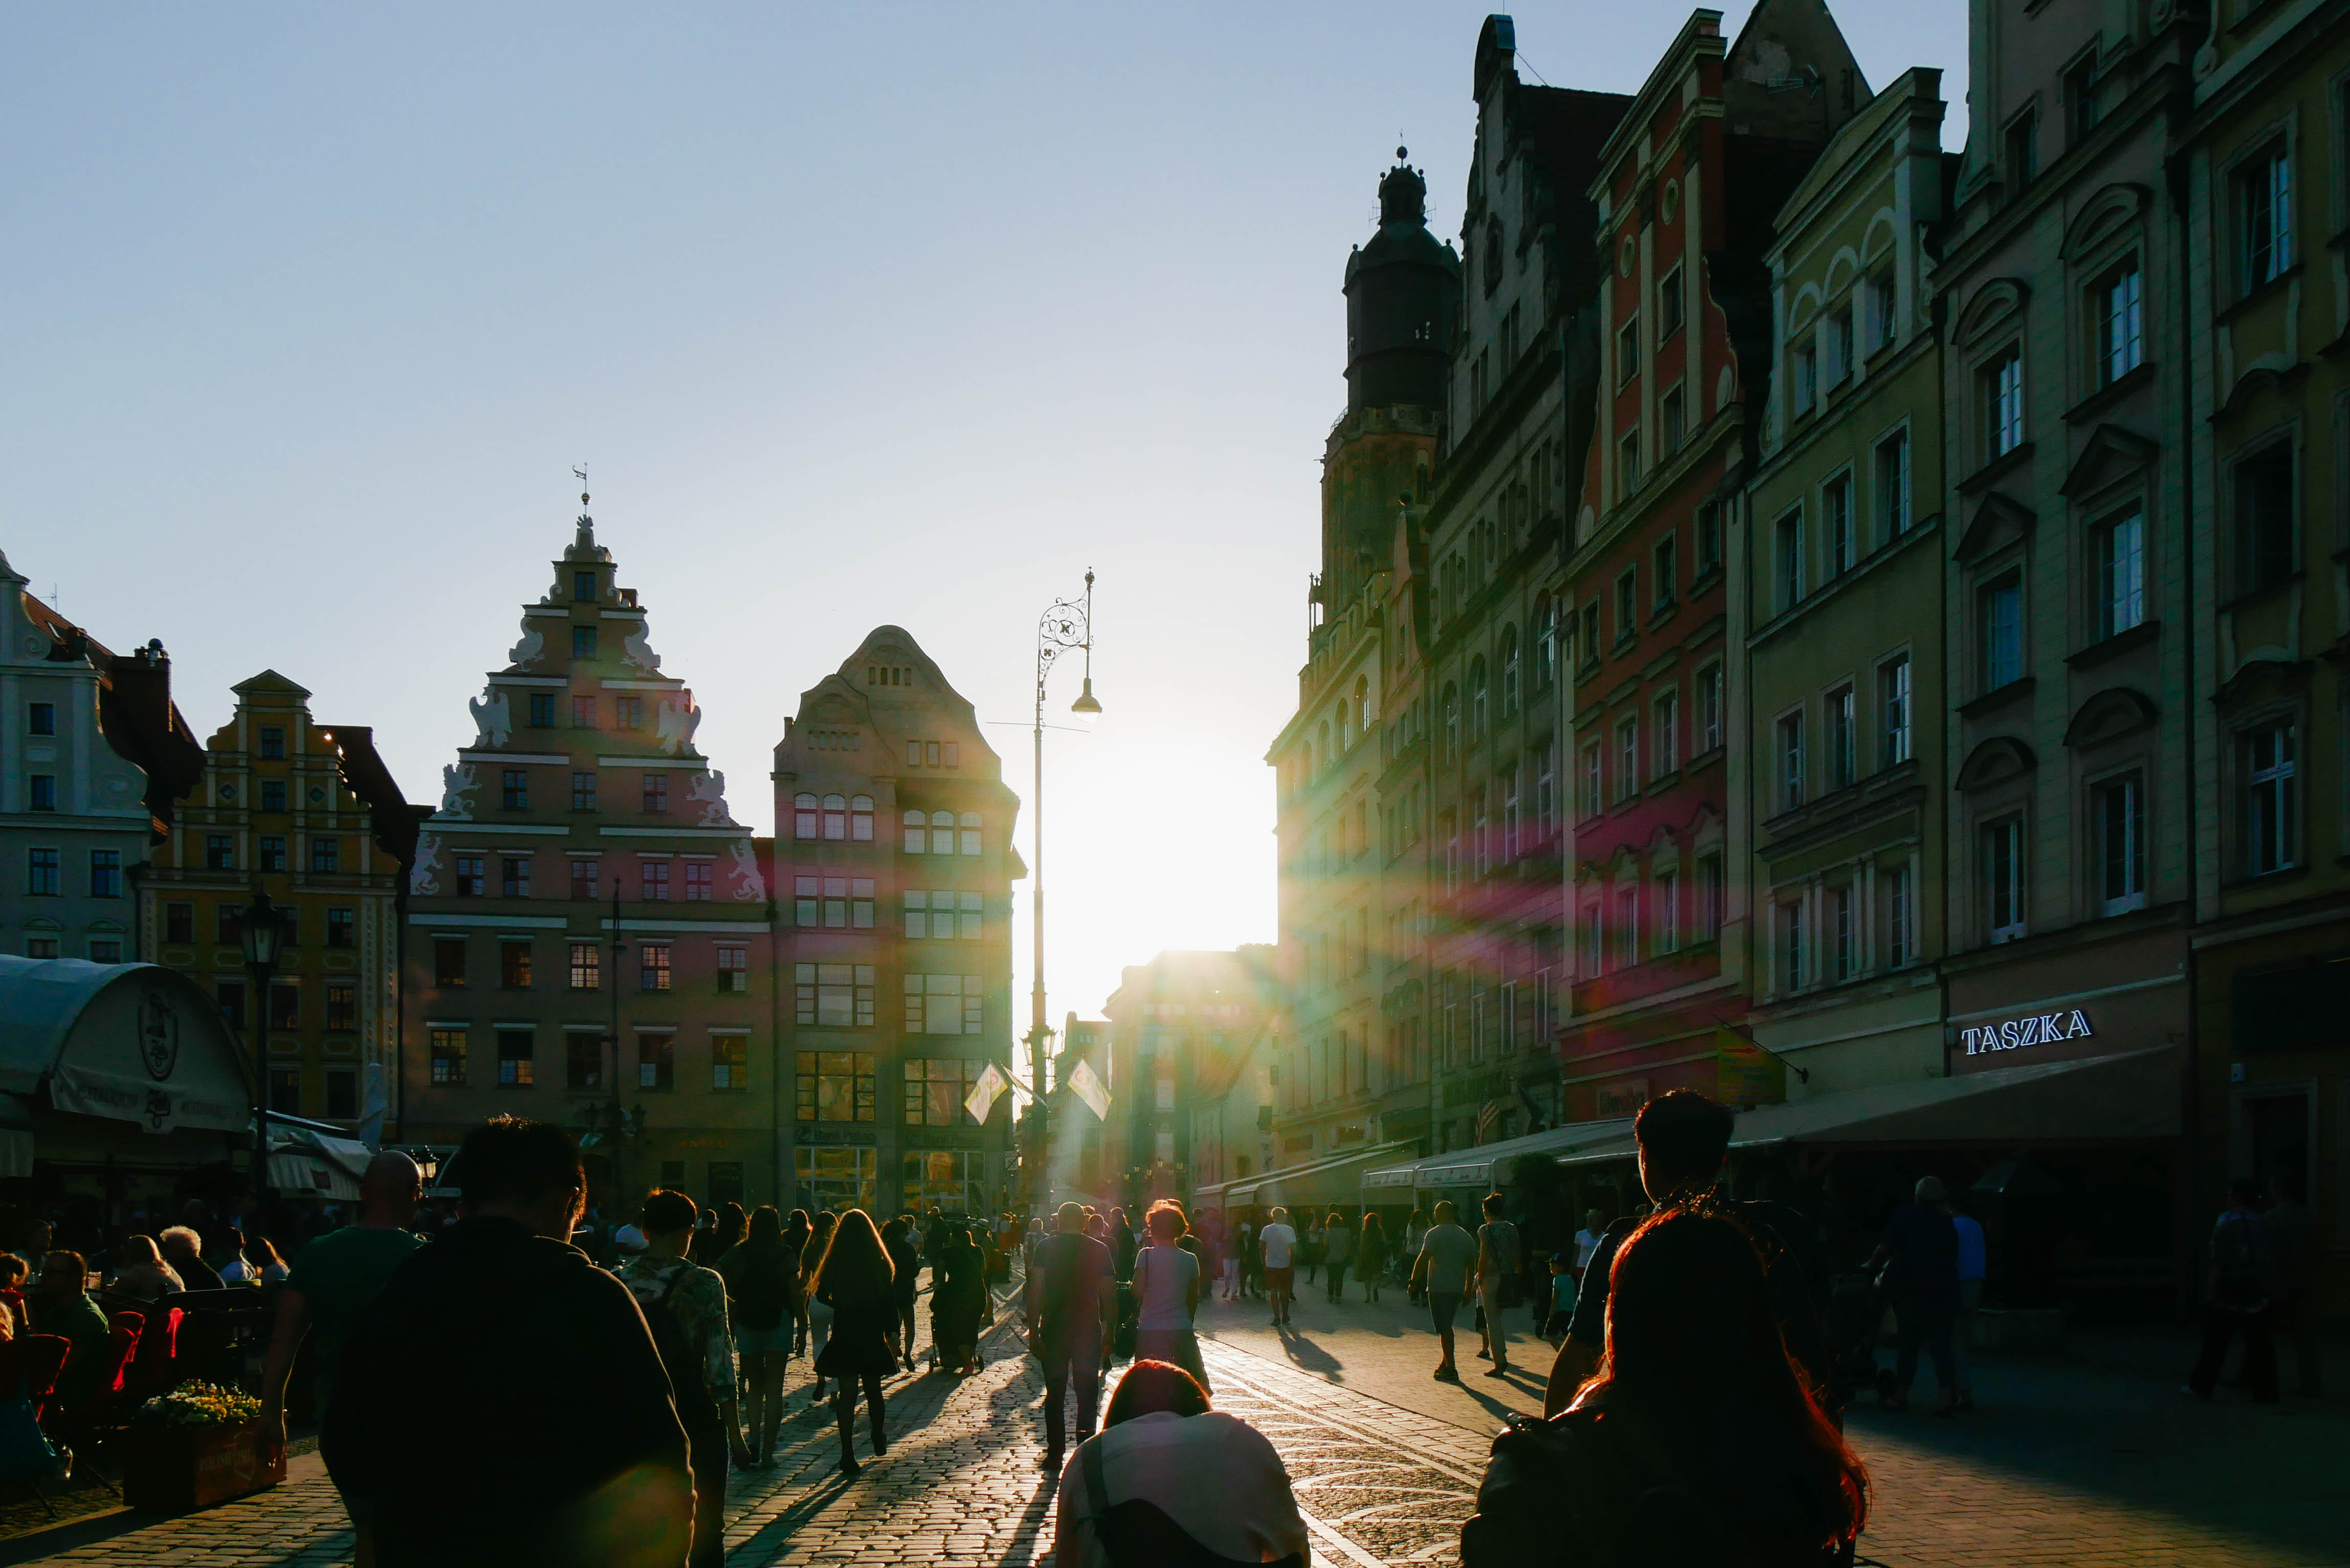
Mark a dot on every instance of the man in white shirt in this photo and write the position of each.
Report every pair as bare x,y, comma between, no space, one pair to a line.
1280,1245
629,1240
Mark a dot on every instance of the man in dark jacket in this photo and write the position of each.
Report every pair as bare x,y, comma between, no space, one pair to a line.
502,1400
1071,1293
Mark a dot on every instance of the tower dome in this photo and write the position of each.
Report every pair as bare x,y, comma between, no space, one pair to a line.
1402,287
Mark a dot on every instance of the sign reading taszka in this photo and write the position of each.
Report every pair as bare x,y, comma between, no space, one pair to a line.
2032,1029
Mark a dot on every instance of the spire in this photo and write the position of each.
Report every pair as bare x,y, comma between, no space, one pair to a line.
1403,194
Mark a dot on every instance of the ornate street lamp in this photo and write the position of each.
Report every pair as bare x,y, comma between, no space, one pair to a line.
1068,627
261,931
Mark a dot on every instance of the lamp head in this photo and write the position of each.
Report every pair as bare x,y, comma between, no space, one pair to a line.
1085,703
260,930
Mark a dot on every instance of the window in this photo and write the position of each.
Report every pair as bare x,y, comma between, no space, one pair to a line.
106,949
734,967
1589,803
1546,791
342,1094
180,923
833,1087
106,873
1627,462
1998,612
1591,634
1510,672
583,644
860,818
1708,538
2023,144
1670,305
1594,946
42,879
807,813
944,1003
40,718
1627,759
934,1090
542,709
1893,709
272,855
629,712
220,852
1788,922
1672,415
2081,99
1480,719
1667,916
2119,814
342,927
273,742
583,587
1900,930
1666,558
225,926
967,830
1884,303
729,1062
1804,375
447,1048
1628,350
2120,547
1627,925
273,795
2004,405
1787,559
2271,806
652,966
1665,744
941,914
1843,949
1547,635
514,876
1791,761
583,1060
1836,517
1893,485
514,965
2264,518
653,880
697,881
448,961
1627,606
2264,217
833,995
657,1062
1843,722
2121,323
655,793
583,713
1836,346
515,1049
583,792
2003,859
583,878
918,838
286,1090
514,792
231,995
1709,709
586,966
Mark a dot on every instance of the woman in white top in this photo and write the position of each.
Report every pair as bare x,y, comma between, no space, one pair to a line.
1167,1294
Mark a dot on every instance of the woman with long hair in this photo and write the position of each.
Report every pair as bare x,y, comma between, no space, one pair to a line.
1698,1441
854,1278
762,1280
727,1235
1371,1255
265,1259
798,1234
141,1271
819,1312
905,1259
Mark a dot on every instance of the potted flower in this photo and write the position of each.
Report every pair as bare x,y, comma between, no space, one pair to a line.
194,1446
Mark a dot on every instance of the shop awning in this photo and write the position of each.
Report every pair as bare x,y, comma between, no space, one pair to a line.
1477,1167
305,1160
2099,1100
129,1042
1333,1179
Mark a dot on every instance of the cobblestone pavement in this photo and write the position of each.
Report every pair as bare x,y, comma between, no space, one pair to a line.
2067,1464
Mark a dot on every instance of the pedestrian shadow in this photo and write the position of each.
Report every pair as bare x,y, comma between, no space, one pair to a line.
778,1530
1023,1550
1306,1355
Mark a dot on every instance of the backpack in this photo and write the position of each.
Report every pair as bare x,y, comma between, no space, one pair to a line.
1138,1533
763,1294
696,1411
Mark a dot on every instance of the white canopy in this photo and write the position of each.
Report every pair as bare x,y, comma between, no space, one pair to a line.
131,1043
1481,1167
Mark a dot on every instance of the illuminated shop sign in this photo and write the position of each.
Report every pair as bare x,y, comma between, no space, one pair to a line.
2032,1029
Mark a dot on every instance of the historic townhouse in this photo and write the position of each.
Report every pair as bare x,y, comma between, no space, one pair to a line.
307,813
2264,161
92,756
1845,677
1183,1028
893,871
1688,187
587,924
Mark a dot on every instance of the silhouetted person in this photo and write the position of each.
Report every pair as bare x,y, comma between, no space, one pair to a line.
1071,1293
854,1278
2238,1294
2285,1228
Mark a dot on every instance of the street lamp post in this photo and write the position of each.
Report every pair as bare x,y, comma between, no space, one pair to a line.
1067,626
261,931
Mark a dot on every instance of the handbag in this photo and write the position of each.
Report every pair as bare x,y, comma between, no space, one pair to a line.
26,1452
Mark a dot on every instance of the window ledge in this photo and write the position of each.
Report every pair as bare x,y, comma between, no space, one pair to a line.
1706,577
2121,642
2111,392
1662,613
1991,701
2264,879
1662,783
1997,469
1706,759
2253,298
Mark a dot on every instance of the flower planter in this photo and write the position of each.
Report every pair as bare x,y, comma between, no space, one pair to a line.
180,1470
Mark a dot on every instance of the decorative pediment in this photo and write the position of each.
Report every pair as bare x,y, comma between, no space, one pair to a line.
1996,760
2109,715
1661,843
2110,209
2258,681
1999,520
2110,455
2271,373
1993,304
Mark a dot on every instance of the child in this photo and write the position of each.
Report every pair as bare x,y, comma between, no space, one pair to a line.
1561,1308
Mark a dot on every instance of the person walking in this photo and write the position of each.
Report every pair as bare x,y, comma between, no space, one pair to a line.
1337,1253
1698,1442
1973,1259
819,1313
727,1232
1415,1232
1371,1255
2285,1228
2239,1291
1919,1259
1071,1294
1309,1247
1447,1259
1586,1241
905,1265
1251,1259
501,1400
958,1301
685,1307
1497,1278
1123,1243
798,1231
762,1282
855,1279
333,1279
1279,1245
1167,1294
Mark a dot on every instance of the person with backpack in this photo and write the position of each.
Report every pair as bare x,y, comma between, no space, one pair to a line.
1698,1442
854,1278
762,1282
1071,1294
906,1263
685,1307
1497,1282
2238,1293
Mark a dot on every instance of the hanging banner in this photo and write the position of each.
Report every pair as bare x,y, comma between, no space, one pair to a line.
1745,1074
984,1093
1088,1088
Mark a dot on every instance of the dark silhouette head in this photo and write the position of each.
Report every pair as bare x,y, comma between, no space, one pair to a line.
1150,1386
1683,1138
508,1160
856,1267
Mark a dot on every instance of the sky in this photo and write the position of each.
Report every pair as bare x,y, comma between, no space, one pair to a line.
856,316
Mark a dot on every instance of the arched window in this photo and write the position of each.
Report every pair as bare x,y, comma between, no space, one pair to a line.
918,838
1321,746
942,832
1478,716
1509,672
836,816
1363,714
1346,725
1546,643
1448,733
804,816
969,825
860,818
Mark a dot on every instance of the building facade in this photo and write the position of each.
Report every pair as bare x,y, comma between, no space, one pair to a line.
308,813
1181,1028
894,867
589,928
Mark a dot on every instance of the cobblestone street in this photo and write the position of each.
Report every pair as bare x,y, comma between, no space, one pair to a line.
2074,1462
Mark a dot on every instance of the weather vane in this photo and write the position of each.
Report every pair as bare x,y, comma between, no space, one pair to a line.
580,470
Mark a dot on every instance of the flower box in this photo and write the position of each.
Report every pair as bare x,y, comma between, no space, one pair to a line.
181,1469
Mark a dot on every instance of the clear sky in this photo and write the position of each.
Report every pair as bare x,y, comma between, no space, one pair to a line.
856,315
